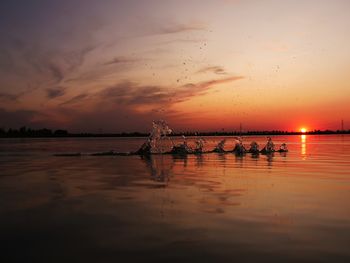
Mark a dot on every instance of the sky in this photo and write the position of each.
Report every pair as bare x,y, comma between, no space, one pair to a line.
114,66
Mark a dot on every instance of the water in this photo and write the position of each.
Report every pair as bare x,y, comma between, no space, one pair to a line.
290,207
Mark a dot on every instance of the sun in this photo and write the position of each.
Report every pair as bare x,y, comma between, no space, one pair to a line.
303,130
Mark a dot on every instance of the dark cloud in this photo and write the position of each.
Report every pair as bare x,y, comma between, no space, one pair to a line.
130,93
213,69
8,97
75,99
15,97
190,90
121,60
115,110
55,92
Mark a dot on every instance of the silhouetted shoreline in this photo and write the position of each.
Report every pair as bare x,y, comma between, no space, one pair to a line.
47,133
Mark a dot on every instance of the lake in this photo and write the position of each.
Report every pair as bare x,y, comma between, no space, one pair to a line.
285,207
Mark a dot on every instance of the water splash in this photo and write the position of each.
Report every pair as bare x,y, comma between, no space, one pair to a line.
220,147
254,147
182,148
160,129
283,148
239,147
199,145
269,147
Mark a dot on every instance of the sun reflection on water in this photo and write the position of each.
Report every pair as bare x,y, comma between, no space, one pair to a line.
303,146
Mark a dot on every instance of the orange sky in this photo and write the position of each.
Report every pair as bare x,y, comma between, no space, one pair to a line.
200,65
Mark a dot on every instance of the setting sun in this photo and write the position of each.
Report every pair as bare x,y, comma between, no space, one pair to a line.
303,130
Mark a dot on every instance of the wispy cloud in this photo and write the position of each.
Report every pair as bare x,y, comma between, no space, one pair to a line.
38,66
178,28
213,69
55,92
121,60
118,103
75,99
183,40
190,90
8,96
130,93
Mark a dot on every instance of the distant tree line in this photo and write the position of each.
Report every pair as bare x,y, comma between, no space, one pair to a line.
28,132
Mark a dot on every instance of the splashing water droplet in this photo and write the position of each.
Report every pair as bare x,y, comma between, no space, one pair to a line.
199,145
239,147
160,129
269,147
254,147
220,147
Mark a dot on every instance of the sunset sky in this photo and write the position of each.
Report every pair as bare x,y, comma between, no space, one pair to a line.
200,65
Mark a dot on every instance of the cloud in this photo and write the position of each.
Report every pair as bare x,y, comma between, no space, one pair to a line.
8,96
178,28
34,65
183,40
125,96
113,106
130,93
55,92
56,72
75,99
158,28
121,60
191,90
213,69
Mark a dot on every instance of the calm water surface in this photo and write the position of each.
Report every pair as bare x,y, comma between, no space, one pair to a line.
290,207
